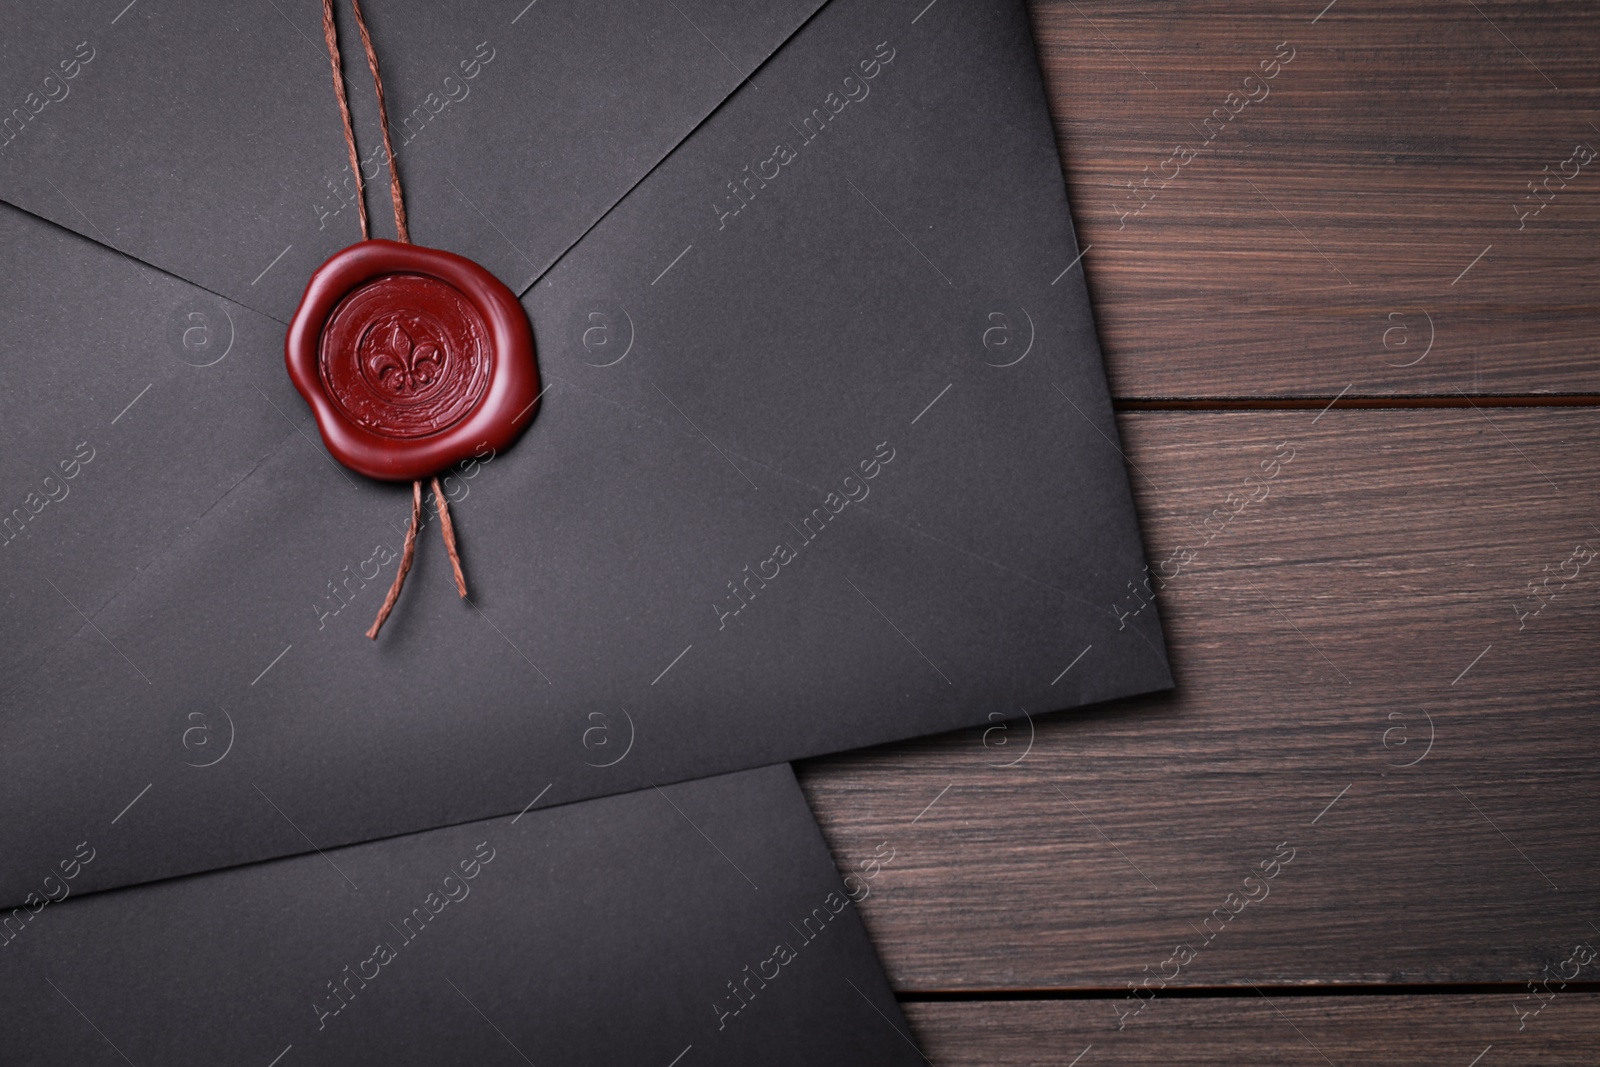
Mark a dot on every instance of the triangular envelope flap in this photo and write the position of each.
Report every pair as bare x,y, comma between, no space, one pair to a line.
898,279
205,138
133,401
632,620
900,273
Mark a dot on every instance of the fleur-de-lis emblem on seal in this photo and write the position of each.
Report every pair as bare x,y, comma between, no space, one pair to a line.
401,364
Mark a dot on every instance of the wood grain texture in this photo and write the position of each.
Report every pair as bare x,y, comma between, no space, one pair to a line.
1314,241
1361,682
1401,1031
1373,591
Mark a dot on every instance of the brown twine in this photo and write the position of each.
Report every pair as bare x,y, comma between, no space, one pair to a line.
331,33
449,538
383,124
408,552
406,555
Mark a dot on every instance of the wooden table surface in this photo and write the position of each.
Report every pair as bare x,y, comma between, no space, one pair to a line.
1365,827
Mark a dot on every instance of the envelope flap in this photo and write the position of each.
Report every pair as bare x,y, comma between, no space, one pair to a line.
205,139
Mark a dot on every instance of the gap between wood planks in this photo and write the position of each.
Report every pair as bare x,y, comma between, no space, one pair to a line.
1342,989
1313,403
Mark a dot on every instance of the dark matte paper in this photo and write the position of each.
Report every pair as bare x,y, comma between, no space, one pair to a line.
826,459
699,924
205,138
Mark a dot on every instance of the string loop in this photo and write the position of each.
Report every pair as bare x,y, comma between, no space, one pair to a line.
331,33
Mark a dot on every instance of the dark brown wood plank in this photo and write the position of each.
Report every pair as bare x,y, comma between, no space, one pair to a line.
1401,1031
1372,591
1314,241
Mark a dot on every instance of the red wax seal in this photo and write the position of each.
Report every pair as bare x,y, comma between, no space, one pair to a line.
412,359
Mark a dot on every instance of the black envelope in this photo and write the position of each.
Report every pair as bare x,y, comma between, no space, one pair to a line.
698,924
825,456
